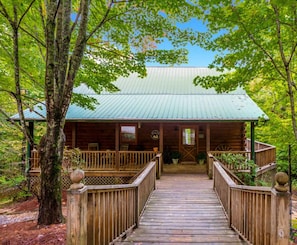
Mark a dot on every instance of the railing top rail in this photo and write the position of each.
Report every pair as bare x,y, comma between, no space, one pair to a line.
221,170
231,174
261,143
265,149
232,152
145,172
253,188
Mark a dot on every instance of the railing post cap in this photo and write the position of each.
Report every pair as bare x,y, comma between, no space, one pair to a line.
282,180
76,177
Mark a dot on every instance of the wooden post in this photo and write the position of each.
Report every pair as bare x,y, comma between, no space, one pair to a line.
158,165
210,166
253,156
77,211
280,211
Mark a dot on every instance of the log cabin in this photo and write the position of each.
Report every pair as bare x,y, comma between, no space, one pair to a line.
163,112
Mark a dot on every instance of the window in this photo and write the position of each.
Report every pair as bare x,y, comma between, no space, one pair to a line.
188,136
128,133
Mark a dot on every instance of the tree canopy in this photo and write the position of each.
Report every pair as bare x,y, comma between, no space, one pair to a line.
256,43
51,46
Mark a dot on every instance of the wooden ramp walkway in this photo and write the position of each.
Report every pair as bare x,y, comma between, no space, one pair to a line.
183,209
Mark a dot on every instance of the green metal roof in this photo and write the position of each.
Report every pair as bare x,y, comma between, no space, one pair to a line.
166,94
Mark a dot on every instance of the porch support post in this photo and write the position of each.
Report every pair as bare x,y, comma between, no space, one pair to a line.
161,144
253,157
30,147
209,161
117,145
73,135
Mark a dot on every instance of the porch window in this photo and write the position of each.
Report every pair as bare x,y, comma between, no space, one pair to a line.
128,133
188,136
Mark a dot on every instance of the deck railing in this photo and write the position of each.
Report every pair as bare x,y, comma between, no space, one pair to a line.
264,153
105,160
260,215
101,214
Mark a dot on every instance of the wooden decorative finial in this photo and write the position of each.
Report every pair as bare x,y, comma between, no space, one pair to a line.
76,177
281,180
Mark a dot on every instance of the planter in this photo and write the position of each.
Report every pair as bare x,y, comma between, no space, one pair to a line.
175,161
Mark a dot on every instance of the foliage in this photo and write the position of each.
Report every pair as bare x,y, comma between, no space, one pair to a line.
13,182
256,44
201,156
175,155
72,158
49,47
239,163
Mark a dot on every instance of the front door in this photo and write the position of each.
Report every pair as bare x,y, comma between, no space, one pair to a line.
188,144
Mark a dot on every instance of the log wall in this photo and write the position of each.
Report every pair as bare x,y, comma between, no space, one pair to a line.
226,134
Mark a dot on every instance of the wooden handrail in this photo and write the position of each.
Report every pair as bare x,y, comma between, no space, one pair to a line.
100,214
253,211
105,160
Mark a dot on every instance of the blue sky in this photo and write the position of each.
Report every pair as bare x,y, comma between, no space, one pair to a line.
197,56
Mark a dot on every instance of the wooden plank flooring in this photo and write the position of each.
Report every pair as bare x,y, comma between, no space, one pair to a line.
183,210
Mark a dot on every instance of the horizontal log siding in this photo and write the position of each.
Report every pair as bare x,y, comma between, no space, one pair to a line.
248,208
171,136
228,134
225,133
144,140
101,133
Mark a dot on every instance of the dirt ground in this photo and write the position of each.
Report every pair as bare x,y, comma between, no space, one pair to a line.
18,224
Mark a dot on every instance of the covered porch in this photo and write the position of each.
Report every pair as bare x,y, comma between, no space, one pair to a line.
110,162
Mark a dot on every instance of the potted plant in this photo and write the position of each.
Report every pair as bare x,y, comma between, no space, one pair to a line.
201,157
175,156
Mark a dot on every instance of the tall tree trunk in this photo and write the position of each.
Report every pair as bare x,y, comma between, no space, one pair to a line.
51,155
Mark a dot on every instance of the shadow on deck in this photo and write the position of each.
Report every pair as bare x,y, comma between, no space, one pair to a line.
183,209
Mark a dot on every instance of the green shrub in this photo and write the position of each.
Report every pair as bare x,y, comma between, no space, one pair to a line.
238,162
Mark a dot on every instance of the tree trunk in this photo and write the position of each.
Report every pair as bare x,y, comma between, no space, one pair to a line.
51,155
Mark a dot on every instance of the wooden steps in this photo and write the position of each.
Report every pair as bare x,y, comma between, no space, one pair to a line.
183,209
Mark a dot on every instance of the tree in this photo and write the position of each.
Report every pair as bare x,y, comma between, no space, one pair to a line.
256,42
82,41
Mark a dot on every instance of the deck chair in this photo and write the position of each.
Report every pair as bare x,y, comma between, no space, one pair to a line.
93,146
124,147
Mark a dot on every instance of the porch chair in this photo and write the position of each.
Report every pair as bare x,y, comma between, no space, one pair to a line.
93,146
124,147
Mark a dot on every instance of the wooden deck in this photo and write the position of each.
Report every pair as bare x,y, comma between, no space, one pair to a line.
183,209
